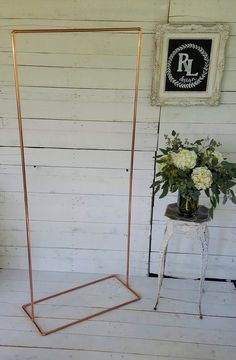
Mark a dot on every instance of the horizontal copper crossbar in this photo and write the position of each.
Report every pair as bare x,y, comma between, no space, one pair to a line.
42,332
35,31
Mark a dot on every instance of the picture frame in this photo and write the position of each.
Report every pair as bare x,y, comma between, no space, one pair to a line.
188,64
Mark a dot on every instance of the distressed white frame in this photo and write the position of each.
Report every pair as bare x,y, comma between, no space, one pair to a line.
219,34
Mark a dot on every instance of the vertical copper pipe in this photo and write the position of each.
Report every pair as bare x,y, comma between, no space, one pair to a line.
23,172
132,154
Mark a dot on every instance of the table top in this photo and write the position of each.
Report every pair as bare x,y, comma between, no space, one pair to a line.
201,215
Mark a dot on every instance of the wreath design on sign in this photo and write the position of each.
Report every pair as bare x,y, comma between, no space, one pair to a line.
193,84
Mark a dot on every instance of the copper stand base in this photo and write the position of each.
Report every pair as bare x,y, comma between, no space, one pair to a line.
44,333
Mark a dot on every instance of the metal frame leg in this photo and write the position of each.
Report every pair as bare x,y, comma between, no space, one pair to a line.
203,236
163,252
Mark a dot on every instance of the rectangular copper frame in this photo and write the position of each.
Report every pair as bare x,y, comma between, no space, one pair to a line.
125,283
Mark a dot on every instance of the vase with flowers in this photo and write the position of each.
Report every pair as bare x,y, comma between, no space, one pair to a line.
193,167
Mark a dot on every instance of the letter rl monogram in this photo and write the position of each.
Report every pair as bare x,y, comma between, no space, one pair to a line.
185,62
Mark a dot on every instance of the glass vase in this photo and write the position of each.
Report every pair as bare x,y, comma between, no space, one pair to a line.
187,206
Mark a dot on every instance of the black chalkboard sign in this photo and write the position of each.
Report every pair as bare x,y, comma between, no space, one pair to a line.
188,64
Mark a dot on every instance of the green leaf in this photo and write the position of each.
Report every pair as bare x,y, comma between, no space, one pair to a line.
217,197
165,152
156,183
199,142
211,211
207,192
164,192
174,188
231,167
214,162
173,133
231,184
213,201
157,188
233,199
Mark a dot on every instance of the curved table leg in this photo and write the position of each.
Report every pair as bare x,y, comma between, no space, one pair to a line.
204,239
163,252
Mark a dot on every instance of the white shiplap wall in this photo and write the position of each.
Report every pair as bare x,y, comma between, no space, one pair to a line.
197,122
77,107
77,92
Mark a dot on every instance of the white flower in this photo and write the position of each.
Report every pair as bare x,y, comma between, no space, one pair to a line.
218,156
215,154
202,178
184,159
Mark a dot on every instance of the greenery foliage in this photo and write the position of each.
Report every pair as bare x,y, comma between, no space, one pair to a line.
193,167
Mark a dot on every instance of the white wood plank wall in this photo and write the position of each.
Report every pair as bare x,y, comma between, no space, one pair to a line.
77,108
199,121
77,92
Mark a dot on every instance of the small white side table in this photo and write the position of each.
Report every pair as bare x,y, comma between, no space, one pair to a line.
196,224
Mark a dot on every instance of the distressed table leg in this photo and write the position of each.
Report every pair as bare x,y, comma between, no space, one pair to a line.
163,252
204,239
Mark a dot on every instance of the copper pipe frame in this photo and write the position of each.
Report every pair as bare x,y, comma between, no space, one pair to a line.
31,313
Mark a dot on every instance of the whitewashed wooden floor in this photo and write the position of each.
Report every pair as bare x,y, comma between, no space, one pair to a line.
134,332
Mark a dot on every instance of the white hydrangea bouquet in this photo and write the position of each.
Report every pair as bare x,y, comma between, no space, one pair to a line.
193,167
